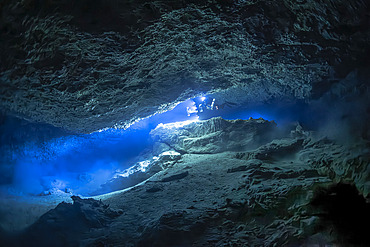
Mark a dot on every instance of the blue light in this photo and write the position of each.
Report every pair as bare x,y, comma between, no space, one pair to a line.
81,163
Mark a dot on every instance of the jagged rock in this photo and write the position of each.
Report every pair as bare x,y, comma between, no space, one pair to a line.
85,72
68,220
295,174
173,228
139,172
154,189
340,162
273,150
217,199
216,135
160,147
87,65
122,182
251,165
167,159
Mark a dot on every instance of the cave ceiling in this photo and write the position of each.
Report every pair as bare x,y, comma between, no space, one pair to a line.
87,65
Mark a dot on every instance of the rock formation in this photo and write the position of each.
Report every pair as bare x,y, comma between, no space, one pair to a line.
85,66
279,193
71,68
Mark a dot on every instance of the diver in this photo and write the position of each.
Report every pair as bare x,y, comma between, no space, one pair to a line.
191,110
206,107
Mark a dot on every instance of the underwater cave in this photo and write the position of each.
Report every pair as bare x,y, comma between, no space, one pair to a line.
184,123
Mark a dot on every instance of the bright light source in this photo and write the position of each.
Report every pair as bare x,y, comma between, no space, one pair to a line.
177,124
170,153
203,98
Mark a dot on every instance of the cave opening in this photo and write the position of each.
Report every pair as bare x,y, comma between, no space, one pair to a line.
46,160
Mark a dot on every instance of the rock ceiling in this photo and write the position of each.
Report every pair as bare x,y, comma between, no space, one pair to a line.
86,65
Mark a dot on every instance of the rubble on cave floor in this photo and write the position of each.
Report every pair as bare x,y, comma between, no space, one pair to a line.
244,196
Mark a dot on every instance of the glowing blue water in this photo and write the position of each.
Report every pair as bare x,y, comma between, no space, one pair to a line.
81,163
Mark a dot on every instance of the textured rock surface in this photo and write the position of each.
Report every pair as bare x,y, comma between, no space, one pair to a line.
216,135
83,214
139,172
85,66
278,194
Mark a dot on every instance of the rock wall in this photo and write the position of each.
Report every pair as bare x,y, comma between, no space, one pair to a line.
216,135
297,190
85,65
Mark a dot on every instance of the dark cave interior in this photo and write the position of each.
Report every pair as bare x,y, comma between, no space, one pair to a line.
184,123
343,210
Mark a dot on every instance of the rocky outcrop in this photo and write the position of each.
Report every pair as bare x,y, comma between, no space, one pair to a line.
274,150
216,135
67,219
173,228
139,172
87,65
299,190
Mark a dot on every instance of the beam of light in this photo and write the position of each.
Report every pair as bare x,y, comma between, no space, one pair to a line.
177,124
169,153
142,166
79,164
139,167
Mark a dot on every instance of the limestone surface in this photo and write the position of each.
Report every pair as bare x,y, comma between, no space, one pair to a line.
277,194
85,66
